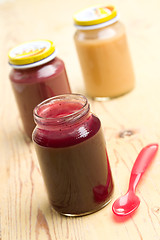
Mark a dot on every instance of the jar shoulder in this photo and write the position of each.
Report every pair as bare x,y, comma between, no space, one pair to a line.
108,32
36,74
64,137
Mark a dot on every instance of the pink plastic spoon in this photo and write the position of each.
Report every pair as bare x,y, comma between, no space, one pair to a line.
129,202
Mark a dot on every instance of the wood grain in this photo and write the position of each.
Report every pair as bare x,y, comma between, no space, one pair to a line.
129,123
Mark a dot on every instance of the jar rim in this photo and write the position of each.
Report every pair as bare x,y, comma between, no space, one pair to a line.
73,97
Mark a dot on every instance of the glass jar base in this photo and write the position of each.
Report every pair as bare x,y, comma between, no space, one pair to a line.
101,99
85,213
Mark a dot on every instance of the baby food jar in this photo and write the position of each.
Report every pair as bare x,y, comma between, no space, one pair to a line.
103,52
72,155
37,74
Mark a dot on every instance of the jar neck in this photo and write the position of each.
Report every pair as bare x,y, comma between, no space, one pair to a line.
62,111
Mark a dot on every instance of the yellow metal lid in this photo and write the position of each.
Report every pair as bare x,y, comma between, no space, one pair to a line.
30,54
95,15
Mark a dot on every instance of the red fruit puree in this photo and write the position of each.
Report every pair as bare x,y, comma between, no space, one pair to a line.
32,86
72,155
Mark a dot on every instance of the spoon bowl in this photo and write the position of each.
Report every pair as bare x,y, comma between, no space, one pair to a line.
126,204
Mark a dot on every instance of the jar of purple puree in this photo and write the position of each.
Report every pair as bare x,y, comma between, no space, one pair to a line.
72,154
37,74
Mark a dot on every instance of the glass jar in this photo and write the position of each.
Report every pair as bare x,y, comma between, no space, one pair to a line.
103,52
72,155
37,74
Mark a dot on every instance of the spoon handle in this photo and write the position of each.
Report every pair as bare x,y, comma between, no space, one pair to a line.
142,162
144,158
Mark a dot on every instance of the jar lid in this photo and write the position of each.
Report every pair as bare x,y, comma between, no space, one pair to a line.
32,54
95,17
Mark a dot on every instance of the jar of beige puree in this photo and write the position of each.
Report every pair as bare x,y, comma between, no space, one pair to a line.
103,52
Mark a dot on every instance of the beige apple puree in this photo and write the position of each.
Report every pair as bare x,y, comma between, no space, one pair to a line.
103,53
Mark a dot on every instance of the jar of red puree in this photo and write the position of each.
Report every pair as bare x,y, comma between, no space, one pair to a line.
72,155
37,74
103,52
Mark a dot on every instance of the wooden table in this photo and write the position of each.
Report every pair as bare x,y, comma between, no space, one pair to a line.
129,123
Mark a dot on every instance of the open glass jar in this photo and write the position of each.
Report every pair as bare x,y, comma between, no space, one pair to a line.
37,74
72,155
103,52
